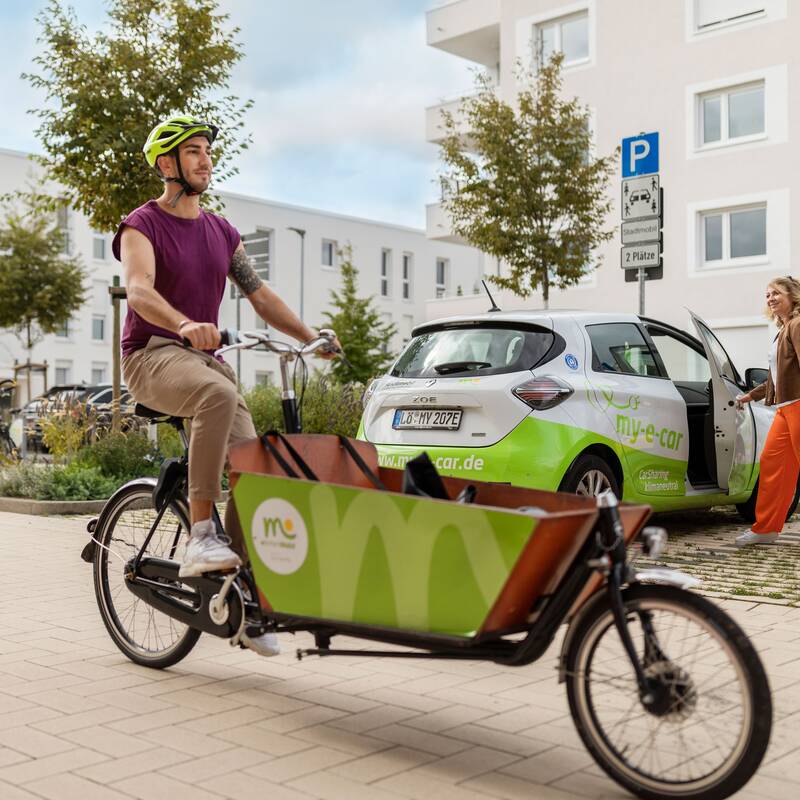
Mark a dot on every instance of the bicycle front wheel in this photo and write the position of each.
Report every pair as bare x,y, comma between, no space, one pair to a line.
145,635
709,727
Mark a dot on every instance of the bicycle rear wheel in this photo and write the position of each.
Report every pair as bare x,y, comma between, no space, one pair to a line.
145,635
709,727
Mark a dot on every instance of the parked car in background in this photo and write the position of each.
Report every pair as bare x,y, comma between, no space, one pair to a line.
576,402
93,399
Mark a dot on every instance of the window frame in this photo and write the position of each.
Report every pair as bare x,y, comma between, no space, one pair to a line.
597,367
66,332
334,245
99,366
407,277
727,260
724,94
754,16
385,282
99,239
63,364
440,289
101,318
557,22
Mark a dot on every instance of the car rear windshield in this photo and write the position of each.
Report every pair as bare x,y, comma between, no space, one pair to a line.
458,352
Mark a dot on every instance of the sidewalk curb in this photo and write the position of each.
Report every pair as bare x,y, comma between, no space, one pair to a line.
43,508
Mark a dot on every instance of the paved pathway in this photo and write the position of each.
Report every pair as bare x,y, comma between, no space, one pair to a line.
77,720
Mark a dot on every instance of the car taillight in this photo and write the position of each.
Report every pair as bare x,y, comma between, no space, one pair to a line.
543,392
367,396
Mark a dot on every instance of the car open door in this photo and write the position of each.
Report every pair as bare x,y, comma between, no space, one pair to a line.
734,428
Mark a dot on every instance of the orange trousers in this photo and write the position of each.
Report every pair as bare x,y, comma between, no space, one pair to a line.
779,470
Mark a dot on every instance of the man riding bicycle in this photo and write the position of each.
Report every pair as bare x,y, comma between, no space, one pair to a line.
176,258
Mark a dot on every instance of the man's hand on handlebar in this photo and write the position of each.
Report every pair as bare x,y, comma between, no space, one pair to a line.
332,350
201,335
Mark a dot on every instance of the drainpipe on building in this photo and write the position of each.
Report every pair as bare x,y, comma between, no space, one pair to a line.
302,234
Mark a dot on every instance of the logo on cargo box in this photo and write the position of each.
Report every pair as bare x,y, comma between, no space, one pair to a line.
280,536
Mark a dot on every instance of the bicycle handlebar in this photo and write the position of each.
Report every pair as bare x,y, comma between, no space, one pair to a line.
236,340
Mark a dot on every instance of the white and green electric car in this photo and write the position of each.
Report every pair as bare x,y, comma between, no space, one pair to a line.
575,402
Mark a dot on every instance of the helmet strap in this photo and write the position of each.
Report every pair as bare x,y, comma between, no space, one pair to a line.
186,187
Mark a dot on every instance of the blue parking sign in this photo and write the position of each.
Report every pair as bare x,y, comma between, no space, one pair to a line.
640,155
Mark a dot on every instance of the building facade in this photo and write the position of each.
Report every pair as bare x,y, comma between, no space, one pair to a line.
399,266
713,77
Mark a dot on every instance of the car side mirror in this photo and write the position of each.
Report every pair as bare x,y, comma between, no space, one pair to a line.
755,376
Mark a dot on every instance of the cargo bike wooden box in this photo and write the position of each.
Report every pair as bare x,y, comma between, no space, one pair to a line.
666,691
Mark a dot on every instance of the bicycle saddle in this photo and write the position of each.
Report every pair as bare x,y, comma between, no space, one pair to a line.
150,413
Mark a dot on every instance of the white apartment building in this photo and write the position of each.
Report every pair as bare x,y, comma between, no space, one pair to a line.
713,77
398,265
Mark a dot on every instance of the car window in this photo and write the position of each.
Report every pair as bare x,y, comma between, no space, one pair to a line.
684,364
620,347
456,352
101,397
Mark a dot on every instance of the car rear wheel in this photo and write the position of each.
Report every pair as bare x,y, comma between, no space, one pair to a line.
747,510
589,476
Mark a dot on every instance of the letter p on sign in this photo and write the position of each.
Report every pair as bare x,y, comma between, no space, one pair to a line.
640,155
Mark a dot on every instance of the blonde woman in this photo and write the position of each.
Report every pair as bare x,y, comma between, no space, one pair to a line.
779,459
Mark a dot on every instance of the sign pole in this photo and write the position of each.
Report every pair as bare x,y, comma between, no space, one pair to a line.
641,291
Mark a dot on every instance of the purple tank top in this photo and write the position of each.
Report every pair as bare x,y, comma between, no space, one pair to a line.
193,257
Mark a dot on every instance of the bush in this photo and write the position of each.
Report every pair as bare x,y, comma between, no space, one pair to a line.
65,430
76,482
121,456
45,482
22,480
328,406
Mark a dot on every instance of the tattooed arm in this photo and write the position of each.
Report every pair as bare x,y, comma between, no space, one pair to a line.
267,304
139,265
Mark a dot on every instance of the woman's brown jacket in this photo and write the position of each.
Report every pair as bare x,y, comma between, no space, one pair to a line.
788,368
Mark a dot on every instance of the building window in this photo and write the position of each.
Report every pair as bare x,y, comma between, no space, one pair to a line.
63,372
329,253
732,114
264,378
99,372
62,221
386,272
569,35
734,233
98,328
99,247
62,332
711,14
408,262
258,246
442,270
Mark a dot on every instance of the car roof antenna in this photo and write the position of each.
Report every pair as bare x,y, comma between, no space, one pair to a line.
494,307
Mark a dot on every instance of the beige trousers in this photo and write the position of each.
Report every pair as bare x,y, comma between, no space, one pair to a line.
183,382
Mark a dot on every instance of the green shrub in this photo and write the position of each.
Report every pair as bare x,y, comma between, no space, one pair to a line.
48,482
22,480
76,482
121,456
328,406
65,430
264,403
169,442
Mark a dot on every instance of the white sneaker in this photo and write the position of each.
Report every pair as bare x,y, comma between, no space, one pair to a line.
756,538
265,645
207,551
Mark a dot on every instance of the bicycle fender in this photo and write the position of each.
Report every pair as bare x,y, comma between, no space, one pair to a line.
87,554
667,577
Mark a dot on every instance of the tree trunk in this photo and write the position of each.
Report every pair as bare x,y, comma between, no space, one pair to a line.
546,291
29,348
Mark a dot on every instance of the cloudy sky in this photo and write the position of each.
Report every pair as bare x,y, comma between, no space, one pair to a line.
340,90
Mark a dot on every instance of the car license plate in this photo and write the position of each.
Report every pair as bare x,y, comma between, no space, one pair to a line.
427,419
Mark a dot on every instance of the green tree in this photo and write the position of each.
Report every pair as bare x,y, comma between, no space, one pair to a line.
105,92
523,185
364,336
40,286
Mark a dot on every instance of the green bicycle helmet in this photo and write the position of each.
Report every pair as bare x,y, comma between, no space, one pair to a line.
164,140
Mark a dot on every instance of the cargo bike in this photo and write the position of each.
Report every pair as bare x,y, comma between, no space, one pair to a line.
666,691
